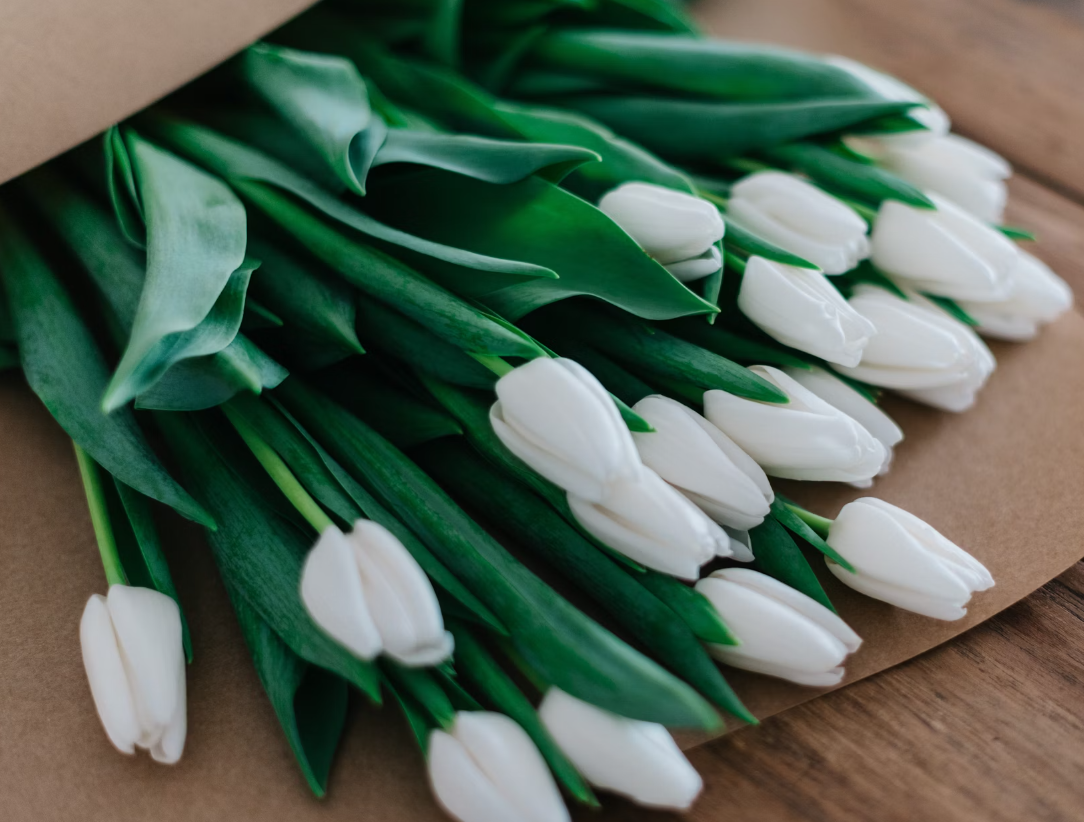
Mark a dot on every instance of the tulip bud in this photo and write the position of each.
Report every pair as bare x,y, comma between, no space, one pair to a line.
800,218
556,417
806,439
636,759
960,170
837,393
885,85
802,309
134,659
703,463
782,632
370,595
486,769
901,560
920,351
1038,296
650,522
946,251
677,229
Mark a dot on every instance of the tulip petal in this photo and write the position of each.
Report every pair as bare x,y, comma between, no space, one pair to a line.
105,672
637,759
905,598
696,268
669,225
332,593
460,786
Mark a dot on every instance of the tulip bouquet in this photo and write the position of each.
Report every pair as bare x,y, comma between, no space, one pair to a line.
413,294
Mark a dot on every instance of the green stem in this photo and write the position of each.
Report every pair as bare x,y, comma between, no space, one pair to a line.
279,472
733,261
815,521
99,517
494,364
866,212
715,199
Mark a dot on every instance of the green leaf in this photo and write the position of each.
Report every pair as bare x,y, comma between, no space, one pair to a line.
390,280
867,182
238,162
333,487
551,539
750,244
571,651
258,552
644,348
395,414
1017,233
696,65
797,526
952,308
537,221
118,271
442,33
305,296
325,99
259,316
481,670
624,385
705,130
9,357
424,690
778,556
309,702
693,607
735,347
193,294
66,370
139,548
389,331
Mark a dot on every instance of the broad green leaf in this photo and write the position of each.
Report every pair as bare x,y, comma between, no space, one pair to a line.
423,688
310,703
390,280
868,182
623,384
538,528
305,296
750,244
237,162
387,330
65,368
258,551
690,65
325,479
325,99
571,651
537,221
693,607
707,130
193,293
1016,233
643,348
118,271
442,33
497,688
396,415
797,526
778,556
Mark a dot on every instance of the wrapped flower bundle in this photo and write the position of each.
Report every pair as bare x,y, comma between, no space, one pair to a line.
412,293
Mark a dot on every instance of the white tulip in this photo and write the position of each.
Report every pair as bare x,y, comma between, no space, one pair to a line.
797,216
556,417
487,769
677,229
800,308
782,632
836,392
970,175
804,439
636,759
920,351
945,251
901,560
1038,296
931,116
703,463
370,595
741,544
134,659
652,523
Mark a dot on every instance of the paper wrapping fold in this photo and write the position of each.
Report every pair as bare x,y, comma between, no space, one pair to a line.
1005,480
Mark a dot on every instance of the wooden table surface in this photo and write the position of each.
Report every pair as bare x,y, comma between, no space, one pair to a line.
991,725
